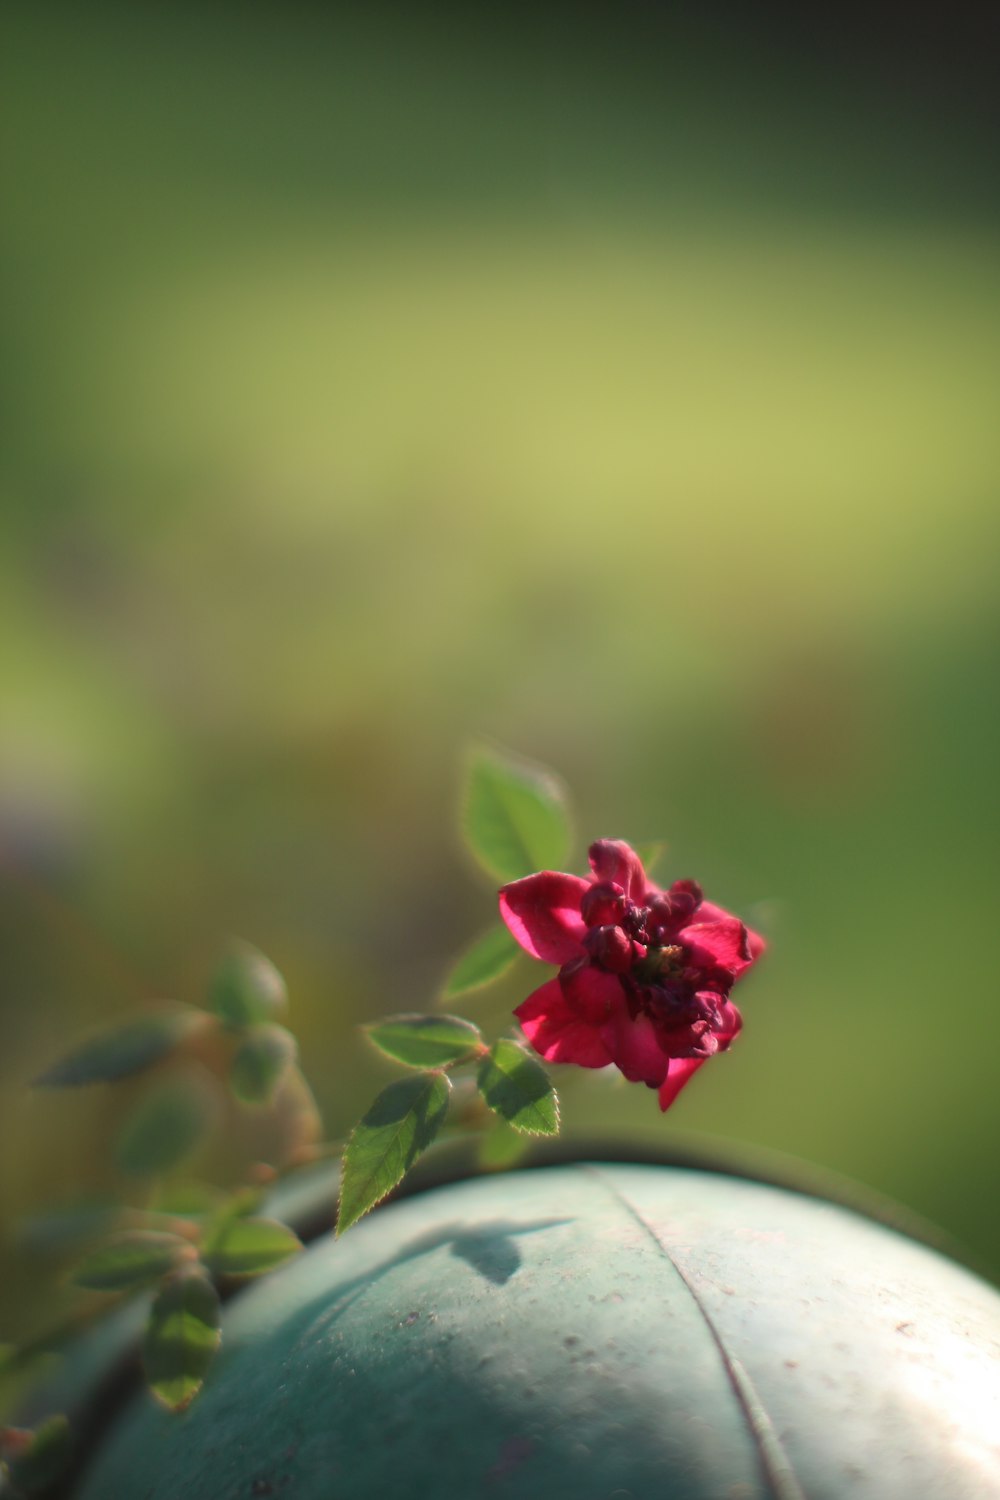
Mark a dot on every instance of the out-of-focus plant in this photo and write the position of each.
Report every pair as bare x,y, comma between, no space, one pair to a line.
643,983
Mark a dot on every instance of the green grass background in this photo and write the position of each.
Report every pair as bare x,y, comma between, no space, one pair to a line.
622,388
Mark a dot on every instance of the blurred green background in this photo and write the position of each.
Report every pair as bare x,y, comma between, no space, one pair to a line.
620,383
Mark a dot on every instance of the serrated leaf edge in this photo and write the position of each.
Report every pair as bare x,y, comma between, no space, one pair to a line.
338,1231
522,1129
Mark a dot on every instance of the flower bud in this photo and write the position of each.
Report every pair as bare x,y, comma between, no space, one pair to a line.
674,909
685,897
609,948
612,859
603,903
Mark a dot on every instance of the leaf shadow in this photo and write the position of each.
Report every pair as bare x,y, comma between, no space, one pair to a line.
490,1249
511,1093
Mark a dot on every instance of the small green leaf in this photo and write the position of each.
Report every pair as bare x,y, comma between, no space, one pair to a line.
165,1126
500,1147
519,1089
181,1339
249,1247
401,1123
515,816
123,1050
37,1459
186,1200
246,987
261,1062
488,958
240,1204
425,1041
650,855
20,1365
56,1230
131,1259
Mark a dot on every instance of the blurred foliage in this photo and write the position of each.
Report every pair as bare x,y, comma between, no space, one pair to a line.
187,1240
622,389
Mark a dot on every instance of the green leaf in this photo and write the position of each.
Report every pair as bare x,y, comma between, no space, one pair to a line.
181,1339
650,855
37,1459
56,1230
488,958
246,987
500,1147
21,1365
425,1041
186,1200
249,1247
131,1259
164,1128
240,1204
401,1123
515,816
519,1089
123,1050
261,1062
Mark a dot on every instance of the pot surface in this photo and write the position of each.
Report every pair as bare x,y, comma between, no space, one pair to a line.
590,1331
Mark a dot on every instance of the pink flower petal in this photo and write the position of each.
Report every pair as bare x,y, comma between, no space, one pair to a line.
615,861
717,945
556,1033
709,912
634,1048
696,1040
680,1070
729,1024
590,993
543,913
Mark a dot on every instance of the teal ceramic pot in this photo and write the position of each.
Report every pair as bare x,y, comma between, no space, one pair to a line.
584,1331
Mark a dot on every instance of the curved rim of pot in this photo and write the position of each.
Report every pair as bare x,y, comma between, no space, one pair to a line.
456,1161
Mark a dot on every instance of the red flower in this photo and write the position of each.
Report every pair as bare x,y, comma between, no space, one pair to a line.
645,974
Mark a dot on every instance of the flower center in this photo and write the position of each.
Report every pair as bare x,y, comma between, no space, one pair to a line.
639,944
671,959
661,965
